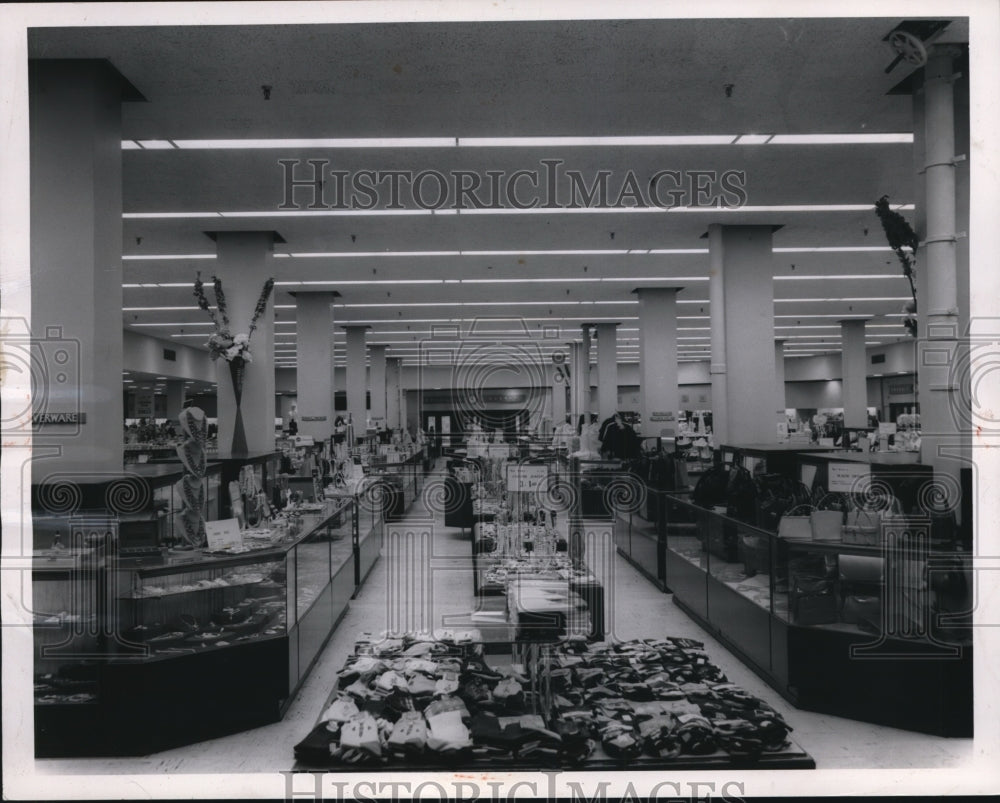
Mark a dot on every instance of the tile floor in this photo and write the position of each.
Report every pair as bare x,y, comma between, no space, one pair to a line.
640,611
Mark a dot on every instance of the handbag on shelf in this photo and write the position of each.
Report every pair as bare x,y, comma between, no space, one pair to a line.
796,523
860,608
863,527
755,551
827,524
812,601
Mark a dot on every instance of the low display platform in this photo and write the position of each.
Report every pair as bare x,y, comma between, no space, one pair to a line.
415,703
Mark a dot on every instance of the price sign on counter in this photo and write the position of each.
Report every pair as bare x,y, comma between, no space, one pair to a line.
529,478
849,477
223,534
887,428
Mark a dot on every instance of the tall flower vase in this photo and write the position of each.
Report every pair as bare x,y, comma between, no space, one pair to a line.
237,366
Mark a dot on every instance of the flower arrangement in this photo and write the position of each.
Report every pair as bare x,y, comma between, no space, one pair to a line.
223,343
901,237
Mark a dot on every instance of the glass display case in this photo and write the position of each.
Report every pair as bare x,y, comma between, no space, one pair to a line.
134,656
369,520
852,630
400,482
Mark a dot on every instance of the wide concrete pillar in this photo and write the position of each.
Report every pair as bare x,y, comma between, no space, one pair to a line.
854,371
607,369
76,269
741,295
377,375
393,400
175,399
357,379
938,354
314,326
659,398
244,264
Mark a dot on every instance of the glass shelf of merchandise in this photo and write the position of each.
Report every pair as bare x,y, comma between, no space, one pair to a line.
188,645
825,622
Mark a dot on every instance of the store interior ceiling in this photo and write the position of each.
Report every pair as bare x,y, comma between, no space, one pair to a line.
222,103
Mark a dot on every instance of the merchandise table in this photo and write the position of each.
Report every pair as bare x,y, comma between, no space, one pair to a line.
436,704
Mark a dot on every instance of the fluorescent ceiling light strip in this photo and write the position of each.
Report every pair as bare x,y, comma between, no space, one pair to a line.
277,213
842,139
522,142
410,304
553,319
824,300
150,257
583,142
849,276
550,252
830,249
203,323
362,142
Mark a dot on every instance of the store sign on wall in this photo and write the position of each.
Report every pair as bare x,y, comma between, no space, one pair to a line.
314,418
849,477
661,416
470,398
40,419
900,388
144,404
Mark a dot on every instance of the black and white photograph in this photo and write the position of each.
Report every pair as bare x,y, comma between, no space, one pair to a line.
432,400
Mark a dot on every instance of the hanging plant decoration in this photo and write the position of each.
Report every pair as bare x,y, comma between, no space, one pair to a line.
904,241
234,349
223,343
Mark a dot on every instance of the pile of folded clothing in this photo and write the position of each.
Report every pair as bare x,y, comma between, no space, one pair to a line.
429,698
435,701
660,698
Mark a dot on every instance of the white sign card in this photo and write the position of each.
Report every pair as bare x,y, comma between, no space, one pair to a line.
849,477
530,478
223,534
887,428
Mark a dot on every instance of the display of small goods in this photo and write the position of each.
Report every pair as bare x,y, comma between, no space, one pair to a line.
281,527
513,539
241,604
71,684
556,568
418,700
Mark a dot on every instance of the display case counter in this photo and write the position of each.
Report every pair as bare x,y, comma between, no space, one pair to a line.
401,484
187,646
770,458
840,472
856,631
